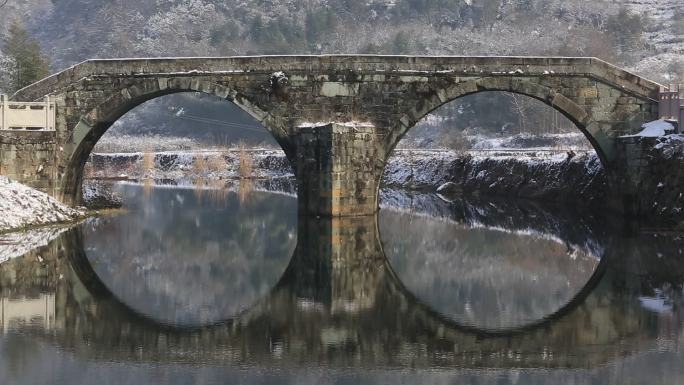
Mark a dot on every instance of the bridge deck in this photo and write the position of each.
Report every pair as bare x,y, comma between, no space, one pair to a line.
361,64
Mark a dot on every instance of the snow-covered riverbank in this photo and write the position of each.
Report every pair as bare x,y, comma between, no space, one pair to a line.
205,164
22,207
532,174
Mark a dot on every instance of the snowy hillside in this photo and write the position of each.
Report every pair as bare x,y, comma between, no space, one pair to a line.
663,34
666,35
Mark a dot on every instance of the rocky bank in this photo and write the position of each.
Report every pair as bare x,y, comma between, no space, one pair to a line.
539,175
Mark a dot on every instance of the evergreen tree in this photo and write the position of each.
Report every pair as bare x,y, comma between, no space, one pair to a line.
401,45
490,12
29,64
6,68
626,29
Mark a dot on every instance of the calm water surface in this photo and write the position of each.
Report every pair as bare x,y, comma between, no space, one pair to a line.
215,286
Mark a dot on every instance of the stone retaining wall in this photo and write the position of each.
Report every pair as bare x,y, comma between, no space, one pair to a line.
29,157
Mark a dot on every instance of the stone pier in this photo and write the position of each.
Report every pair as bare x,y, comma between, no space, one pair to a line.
338,169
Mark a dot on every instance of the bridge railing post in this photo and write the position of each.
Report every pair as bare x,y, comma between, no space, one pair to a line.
3,111
671,104
48,113
665,99
680,119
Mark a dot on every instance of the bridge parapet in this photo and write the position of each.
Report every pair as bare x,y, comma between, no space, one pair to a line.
28,142
27,115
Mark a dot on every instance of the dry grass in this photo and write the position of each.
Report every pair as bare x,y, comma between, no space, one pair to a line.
246,166
245,188
148,164
198,187
216,164
199,165
217,191
205,164
148,185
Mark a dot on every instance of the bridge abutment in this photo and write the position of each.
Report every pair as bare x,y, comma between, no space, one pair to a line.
646,177
338,168
29,157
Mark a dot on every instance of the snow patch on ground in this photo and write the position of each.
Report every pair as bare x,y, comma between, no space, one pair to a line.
345,124
663,35
567,141
653,129
668,143
22,206
156,143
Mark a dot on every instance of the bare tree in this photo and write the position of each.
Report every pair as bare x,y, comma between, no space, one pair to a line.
521,108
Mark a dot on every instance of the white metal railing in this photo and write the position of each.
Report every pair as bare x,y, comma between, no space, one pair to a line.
18,116
671,103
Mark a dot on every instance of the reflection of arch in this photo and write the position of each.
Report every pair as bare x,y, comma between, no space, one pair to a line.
450,324
100,118
92,326
428,313
79,263
578,115
309,274
298,327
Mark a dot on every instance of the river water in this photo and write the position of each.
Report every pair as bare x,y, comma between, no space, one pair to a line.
219,285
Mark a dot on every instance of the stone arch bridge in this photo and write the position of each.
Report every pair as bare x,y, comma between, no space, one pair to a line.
336,117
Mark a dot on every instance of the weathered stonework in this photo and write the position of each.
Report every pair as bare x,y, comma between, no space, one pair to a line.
28,156
653,179
391,93
339,169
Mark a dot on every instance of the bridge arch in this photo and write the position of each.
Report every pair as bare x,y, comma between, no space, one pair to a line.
552,98
95,123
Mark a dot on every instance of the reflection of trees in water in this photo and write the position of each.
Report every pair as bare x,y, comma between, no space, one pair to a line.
192,259
485,277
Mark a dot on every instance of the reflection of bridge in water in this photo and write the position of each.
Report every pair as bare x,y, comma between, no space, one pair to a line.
340,304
